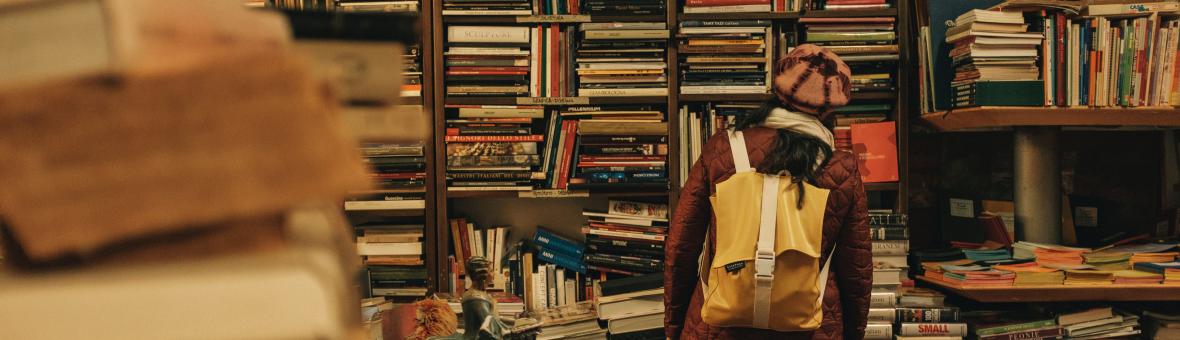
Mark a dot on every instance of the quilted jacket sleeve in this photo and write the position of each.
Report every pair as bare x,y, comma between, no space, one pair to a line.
853,262
686,237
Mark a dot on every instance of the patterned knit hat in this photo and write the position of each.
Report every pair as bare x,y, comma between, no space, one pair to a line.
812,80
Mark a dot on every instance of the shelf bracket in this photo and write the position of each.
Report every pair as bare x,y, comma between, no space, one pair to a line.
1037,189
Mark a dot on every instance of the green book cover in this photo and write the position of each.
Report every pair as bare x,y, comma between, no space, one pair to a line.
1009,328
1125,63
1003,93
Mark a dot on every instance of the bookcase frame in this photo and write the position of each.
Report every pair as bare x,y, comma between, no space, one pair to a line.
435,100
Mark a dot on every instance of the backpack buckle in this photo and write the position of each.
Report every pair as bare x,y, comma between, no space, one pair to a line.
764,264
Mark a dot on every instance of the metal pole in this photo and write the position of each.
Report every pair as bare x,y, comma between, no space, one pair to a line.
1037,190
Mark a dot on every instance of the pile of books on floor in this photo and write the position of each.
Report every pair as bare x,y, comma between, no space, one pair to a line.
393,258
576,321
623,7
849,5
486,7
702,121
923,314
377,6
995,60
492,147
725,56
399,171
1119,56
628,238
727,6
468,240
1098,323
633,307
487,60
622,59
614,153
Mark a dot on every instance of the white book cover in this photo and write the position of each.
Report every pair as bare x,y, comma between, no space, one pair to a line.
488,34
551,285
571,292
559,286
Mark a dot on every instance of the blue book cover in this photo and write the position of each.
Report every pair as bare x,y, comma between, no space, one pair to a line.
550,241
1157,268
561,260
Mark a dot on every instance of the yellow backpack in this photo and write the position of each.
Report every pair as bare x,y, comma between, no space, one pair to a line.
766,272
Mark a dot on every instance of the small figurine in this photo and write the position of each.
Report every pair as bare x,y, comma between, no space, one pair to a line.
481,321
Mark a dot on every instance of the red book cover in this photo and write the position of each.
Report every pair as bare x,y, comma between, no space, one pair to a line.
526,138
1061,66
875,146
570,130
461,224
699,3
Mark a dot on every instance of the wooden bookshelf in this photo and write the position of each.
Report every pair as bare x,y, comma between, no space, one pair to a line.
1060,293
1009,116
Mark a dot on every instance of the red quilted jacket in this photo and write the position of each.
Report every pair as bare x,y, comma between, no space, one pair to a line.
846,300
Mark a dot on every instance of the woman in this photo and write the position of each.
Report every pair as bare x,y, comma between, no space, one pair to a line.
786,136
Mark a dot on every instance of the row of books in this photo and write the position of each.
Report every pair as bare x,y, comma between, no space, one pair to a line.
393,257
410,6
582,147
994,56
622,59
627,238
469,240
1042,264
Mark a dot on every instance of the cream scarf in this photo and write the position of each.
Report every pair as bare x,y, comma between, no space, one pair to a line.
780,118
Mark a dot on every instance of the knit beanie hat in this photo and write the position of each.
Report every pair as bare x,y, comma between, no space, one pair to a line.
812,80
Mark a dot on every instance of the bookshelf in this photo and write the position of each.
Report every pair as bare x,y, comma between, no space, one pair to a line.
1061,293
1012,116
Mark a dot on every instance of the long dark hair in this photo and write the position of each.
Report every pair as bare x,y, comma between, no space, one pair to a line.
794,152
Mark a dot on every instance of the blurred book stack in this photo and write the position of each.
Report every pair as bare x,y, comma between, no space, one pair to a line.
1099,323
617,153
849,5
623,7
487,7
622,59
727,6
488,60
703,121
409,6
412,74
399,174
492,148
306,5
577,321
923,314
995,60
627,238
725,56
469,240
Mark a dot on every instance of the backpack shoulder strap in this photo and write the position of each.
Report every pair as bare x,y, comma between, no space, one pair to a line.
737,147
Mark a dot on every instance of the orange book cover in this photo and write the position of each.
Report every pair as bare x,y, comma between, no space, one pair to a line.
875,146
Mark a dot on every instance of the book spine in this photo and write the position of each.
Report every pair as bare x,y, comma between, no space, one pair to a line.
487,34
551,285
567,262
570,134
882,315
1051,333
1015,328
882,299
549,240
875,331
933,329
1060,59
528,138
944,314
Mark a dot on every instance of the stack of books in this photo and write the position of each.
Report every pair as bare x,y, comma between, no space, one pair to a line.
725,56
1107,260
492,147
623,7
397,282
994,58
1119,56
1029,273
577,321
399,171
849,115
628,238
890,247
603,158
565,145
977,276
1098,323
867,45
486,61
622,59
412,74
1133,277
410,6
849,5
882,313
560,271
1170,270
1153,257
702,121
633,307
924,315
987,255
1088,277
1005,326
487,7
726,6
